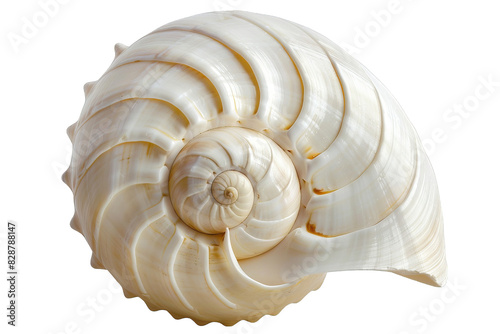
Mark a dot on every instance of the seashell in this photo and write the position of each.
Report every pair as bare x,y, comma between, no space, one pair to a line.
225,162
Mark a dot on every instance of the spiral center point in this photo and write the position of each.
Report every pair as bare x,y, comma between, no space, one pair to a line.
227,185
231,194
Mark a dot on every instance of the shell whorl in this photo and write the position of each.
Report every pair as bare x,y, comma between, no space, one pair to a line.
226,188
222,153
239,179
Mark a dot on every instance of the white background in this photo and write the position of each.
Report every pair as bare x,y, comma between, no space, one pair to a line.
432,55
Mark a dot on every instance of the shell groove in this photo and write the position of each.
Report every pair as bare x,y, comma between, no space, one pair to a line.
221,151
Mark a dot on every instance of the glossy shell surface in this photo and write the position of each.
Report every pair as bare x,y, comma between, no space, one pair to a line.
223,151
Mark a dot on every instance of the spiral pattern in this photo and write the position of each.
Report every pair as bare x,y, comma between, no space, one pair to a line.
225,191
218,152
239,179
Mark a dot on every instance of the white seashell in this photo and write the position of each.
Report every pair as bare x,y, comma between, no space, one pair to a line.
222,153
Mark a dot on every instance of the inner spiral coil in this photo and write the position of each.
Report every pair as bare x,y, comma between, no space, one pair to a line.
226,184
237,179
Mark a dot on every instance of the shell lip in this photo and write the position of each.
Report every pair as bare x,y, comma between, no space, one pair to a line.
421,276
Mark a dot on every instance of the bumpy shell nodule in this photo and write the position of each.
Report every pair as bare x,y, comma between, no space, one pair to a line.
226,162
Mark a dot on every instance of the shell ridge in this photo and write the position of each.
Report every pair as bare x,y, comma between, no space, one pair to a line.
400,200
104,151
389,249
205,254
132,100
381,138
173,64
268,167
346,68
138,235
96,225
231,69
348,110
227,248
95,199
164,270
148,79
223,34
386,163
299,75
121,260
80,179
244,63
171,275
311,95
341,83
